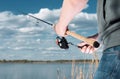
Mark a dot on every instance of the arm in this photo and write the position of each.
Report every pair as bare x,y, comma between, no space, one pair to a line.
69,9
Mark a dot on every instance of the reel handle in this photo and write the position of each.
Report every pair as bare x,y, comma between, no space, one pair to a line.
91,42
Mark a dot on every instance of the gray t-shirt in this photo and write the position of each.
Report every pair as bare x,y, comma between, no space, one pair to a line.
108,12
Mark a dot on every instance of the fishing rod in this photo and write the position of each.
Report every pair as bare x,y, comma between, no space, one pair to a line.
63,43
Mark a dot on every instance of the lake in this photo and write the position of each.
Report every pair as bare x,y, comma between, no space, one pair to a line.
45,70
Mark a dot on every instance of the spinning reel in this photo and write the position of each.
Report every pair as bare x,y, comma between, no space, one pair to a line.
64,44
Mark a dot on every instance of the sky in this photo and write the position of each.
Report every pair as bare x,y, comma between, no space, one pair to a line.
22,37
35,5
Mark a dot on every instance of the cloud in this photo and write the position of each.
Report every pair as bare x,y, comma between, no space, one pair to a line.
86,6
85,20
22,37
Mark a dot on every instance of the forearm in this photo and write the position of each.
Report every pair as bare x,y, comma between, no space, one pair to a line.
69,9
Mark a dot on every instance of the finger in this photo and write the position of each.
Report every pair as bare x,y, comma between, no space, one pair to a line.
66,31
83,49
91,50
88,49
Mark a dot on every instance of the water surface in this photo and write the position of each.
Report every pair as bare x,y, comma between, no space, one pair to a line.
40,70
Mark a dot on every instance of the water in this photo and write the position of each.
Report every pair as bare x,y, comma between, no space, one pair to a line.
37,70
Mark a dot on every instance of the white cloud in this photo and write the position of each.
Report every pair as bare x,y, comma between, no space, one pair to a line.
84,19
86,6
20,34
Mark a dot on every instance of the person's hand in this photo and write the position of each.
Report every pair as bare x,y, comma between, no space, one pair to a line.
86,48
60,30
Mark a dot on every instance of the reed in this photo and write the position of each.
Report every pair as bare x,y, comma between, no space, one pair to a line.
79,72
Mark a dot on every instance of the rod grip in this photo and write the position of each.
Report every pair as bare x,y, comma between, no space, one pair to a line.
91,42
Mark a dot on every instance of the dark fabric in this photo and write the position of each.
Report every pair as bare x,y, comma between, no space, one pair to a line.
108,12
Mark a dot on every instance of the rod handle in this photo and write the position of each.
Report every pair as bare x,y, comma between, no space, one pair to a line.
91,42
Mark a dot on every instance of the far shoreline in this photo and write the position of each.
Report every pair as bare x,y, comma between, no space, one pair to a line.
48,61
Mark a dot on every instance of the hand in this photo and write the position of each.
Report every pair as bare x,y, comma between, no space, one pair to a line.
60,31
86,48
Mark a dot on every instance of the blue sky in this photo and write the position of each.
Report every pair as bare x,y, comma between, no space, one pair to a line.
35,5
22,37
